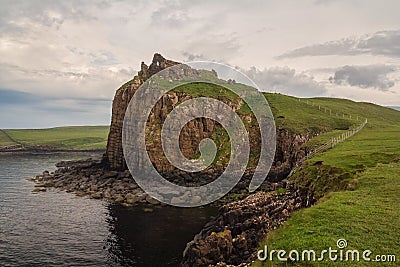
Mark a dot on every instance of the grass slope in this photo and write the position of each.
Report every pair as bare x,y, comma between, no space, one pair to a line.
73,137
368,218
299,117
5,139
360,182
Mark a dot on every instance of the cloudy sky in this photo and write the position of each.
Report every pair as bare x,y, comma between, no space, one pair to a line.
61,61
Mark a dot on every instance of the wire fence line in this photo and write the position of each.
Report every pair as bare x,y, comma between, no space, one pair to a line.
331,144
330,111
334,141
10,137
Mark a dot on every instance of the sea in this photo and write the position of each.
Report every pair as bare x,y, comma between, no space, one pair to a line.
56,228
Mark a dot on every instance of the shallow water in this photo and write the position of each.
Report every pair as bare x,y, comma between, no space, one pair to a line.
56,228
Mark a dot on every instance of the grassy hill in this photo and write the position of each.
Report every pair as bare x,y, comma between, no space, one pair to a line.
299,117
5,139
60,138
359,182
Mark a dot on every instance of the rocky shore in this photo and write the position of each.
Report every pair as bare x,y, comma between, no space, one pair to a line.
87,178
233,237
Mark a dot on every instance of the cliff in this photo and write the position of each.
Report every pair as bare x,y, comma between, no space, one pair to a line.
114,158
288,144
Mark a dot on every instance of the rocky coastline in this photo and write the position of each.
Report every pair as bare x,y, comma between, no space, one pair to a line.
88,178
233,237
230,239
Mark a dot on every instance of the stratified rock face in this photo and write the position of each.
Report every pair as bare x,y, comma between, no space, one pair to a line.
190,136
234,235
114,158
289,146
192,133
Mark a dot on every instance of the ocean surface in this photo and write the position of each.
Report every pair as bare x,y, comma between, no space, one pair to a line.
56,228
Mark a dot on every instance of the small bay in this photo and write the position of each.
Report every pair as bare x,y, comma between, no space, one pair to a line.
56,228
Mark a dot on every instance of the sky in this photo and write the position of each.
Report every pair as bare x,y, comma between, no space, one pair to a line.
61,61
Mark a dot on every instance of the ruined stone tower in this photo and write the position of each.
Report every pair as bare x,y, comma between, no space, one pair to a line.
114,158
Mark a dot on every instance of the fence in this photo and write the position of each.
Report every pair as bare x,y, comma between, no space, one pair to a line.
329,111
334,141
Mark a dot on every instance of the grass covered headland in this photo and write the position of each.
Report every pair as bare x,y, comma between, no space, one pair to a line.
59,138
359,185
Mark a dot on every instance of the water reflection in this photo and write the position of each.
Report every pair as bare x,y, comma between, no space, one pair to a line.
56,228
144,236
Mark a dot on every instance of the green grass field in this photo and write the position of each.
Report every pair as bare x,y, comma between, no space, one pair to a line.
298,117
359,183
5,139
63,138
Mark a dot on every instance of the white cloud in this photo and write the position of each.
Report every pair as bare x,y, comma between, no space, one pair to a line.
285,80
385,43
372,76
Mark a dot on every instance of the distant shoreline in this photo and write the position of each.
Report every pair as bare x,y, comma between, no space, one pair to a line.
54,140
44,150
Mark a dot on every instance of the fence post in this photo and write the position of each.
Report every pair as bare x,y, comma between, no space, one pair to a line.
334,140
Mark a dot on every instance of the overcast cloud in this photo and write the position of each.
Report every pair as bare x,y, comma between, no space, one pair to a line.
382,43
374,76
285,80
61,61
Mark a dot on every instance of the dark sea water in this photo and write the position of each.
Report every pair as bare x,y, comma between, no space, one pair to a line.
56,228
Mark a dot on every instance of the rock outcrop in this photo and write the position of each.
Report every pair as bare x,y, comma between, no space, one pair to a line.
234,235
288,150
191,135
114,158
